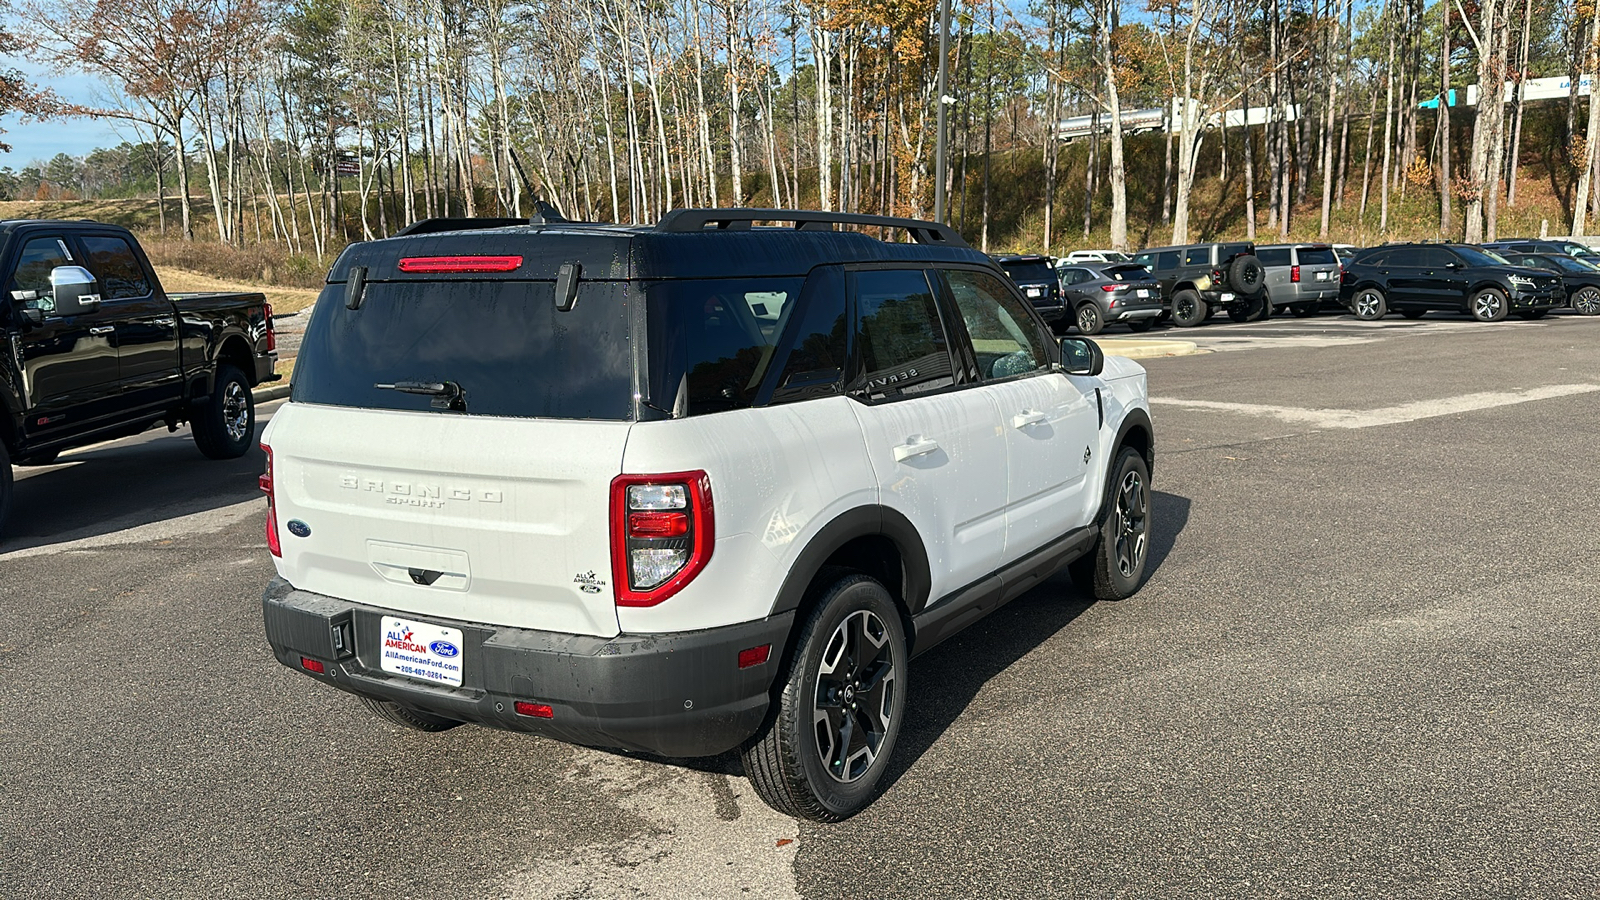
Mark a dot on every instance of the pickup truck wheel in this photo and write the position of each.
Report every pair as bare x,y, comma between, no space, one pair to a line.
1488,305
1586,302
224,424
1369,305
833,729
1090,319
1188,309
407,717
1114,569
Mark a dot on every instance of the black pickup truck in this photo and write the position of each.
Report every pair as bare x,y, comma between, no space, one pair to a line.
97,350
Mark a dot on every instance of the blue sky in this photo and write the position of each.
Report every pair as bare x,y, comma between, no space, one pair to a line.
41,140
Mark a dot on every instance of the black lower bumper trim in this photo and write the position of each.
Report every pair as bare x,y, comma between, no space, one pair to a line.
678,694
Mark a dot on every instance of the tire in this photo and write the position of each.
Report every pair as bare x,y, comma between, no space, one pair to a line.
1254,311
1247,277
1586,302
5,487
1090,319
787,764
407,717
224,424
1188,309
1413,313
1369,305
1115,568
47,458
1488,305
1140,326
1305,310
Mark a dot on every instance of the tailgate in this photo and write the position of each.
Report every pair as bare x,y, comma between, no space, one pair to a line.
484,519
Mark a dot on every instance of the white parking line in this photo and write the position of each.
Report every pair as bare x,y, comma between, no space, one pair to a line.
1388,415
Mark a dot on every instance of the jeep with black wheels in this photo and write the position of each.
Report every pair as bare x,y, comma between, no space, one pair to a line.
1199,280
685,489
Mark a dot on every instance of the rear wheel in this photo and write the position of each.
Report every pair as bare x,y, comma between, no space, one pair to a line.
1141,325
406,716
1304,310
835,722
1369,305
1188,309
225,423
1586,302
1488,305
1090,319
1114,569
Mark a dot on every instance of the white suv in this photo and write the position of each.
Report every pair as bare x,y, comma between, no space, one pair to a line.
687,488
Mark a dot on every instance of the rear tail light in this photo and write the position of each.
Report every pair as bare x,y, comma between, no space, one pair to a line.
272,332
1216,275
661,534
456,265
1113,287
1294,274
265,483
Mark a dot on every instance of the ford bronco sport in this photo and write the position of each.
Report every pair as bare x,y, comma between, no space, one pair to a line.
685,488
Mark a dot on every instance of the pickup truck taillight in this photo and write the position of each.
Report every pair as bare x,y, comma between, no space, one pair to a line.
272,332
265,482
661,534
1294,274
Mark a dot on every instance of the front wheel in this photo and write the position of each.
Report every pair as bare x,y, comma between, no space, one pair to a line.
1369,305
1586,302
829,740
225,423
1090,319
1188,309
1489,305
1115,568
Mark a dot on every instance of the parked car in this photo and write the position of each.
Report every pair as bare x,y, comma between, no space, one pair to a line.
1580,280
1036,278
1414,278
1345,252
1564,247
99,351
688,488
1083,256
1199,279
1301,277
1099,294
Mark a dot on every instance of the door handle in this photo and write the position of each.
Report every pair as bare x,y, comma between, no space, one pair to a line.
1028,417
102,329
915,446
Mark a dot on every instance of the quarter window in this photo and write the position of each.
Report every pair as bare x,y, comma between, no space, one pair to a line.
1167,260
1197,256
112,261
903,346
711,342
1003,337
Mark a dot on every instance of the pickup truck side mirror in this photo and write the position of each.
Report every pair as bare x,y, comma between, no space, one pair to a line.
1081,356
74,289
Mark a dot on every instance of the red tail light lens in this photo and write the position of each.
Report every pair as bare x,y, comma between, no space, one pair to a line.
311,665
536,710
272,332
457,265
1294,274
1108,288
662,533
754,656
265,483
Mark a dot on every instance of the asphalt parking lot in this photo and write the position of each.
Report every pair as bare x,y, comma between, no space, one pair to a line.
1364,665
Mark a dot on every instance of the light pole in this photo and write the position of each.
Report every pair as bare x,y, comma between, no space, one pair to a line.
944,70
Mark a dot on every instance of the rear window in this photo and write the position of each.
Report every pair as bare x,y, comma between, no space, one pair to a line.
712,341
1127,273
1275,256
504,343
1310,256
1029,272
1226,252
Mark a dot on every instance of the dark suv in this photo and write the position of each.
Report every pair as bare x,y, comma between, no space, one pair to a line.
1414,278
1199,279
1525,245
1579,278
1036,278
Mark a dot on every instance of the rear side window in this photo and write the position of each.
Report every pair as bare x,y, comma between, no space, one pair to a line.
1275,256
903,346
1226,252
503,343
113,262
712,341
1167,260
1197,256
1313,256
1029,272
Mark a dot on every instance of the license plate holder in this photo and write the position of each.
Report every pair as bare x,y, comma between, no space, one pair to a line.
421,650
1144,294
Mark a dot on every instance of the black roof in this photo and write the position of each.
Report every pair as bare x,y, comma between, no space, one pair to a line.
685,244
1020,258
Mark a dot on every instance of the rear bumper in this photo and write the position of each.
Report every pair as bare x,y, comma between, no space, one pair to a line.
679,694
266,363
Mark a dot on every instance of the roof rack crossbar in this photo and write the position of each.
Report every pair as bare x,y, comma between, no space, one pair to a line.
687,221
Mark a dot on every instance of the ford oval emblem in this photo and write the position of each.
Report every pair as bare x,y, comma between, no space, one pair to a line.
299,528
444,648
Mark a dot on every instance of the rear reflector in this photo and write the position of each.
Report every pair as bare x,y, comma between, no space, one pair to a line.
311,665
448,265
754,656
536,710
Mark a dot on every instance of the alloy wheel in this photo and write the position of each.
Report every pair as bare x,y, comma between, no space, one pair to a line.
235,411
1086,320
1486,306
1367,304
855,695
1132,524
1587,302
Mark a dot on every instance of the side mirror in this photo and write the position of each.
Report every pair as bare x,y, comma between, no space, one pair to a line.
1081,356
74,290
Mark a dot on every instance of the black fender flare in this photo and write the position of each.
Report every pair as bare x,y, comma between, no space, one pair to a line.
1137,419
862,521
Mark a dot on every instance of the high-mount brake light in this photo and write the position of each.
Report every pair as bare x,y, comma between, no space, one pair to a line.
662,532
265,483
459,265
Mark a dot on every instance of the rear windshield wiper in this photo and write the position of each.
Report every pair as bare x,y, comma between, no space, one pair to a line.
445,394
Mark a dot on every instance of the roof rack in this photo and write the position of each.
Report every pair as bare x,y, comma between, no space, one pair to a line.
544,214
687,221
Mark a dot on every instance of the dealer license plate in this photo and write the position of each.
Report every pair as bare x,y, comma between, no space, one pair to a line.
422,651
1322,276
1144,294
1227,298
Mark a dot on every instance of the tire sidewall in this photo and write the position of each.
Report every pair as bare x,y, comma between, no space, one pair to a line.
1199,309
1500,313
1128,460
851,595
215,425
1247,277
1089,310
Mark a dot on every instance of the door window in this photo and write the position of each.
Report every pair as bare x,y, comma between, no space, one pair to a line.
902,342
31,281
1167,260
1003,337
112,261
1434,258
